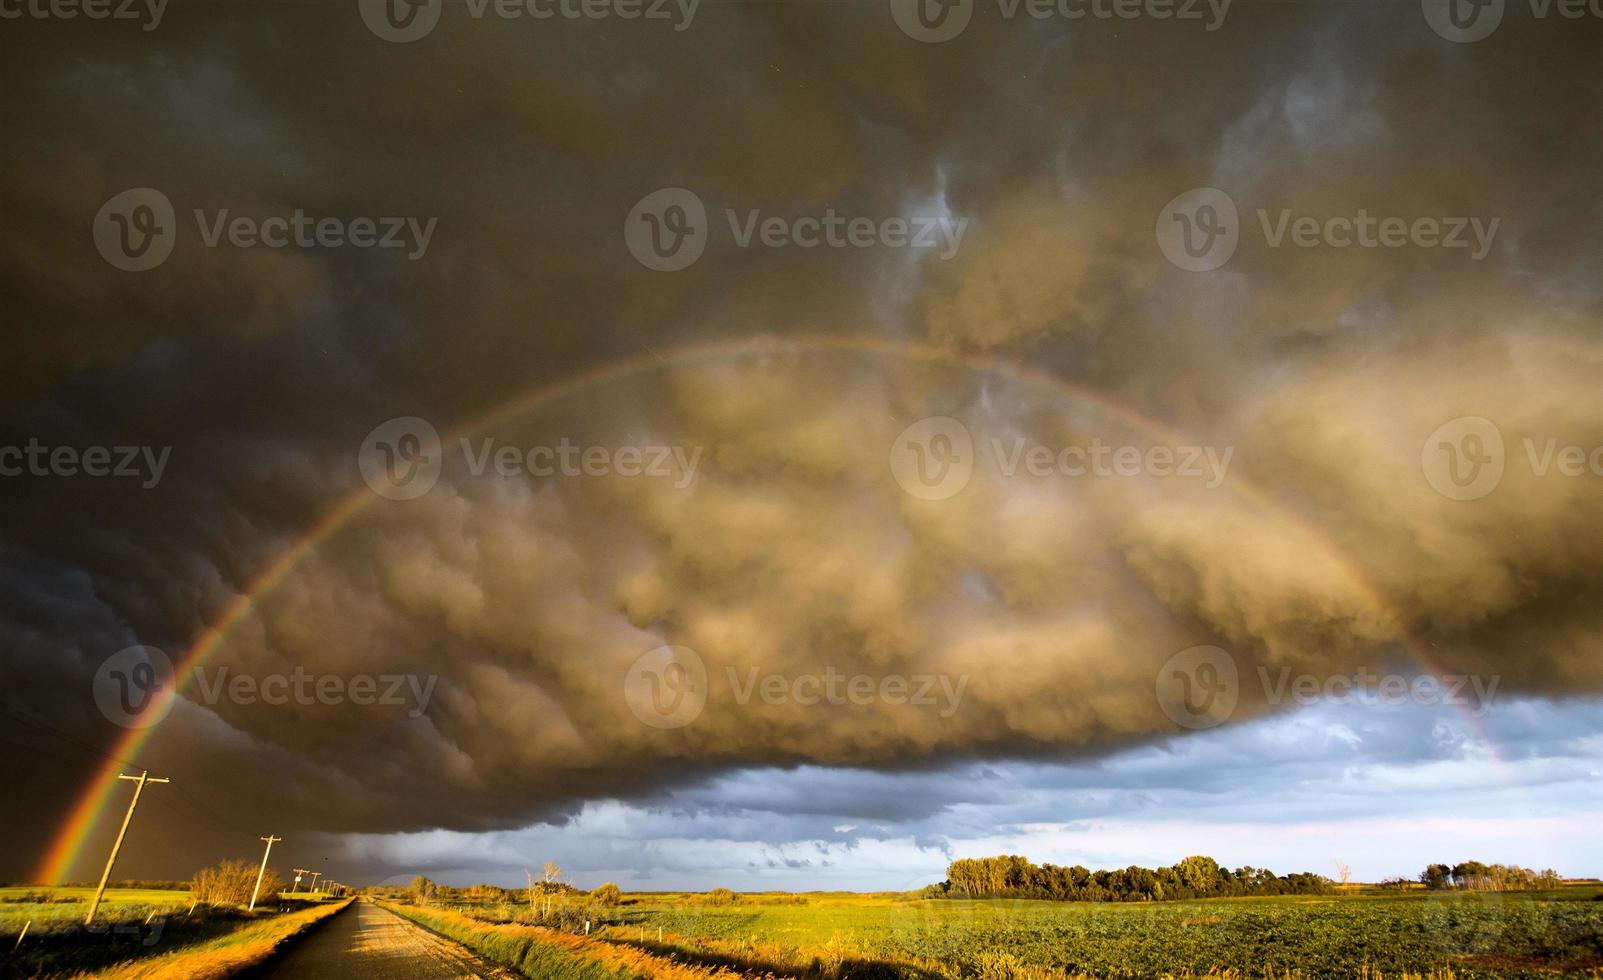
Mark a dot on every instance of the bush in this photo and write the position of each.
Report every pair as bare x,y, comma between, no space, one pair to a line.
231,883
607,894
720,896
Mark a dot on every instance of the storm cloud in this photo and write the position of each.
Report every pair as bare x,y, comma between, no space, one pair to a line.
791,373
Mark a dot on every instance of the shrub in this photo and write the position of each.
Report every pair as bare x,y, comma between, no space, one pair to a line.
607,894
720,896
231,883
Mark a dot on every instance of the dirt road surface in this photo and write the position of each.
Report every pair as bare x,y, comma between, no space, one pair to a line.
364,942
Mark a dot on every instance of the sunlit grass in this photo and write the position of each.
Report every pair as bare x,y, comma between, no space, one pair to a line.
225,955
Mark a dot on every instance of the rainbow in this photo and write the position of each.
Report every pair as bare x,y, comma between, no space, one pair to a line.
64,851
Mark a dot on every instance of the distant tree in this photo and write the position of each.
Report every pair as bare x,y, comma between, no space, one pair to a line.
1199,873
422,890
1436,876
607,894
720,896
550,882
1470,874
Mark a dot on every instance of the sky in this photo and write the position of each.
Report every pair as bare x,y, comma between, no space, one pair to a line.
796,445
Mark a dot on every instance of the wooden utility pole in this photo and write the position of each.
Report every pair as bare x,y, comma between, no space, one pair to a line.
271,840
298,873
139,782
314,875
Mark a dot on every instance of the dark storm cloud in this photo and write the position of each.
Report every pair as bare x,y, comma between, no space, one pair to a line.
529,143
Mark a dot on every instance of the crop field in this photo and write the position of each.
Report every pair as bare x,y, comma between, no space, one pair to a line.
53,908
1464,935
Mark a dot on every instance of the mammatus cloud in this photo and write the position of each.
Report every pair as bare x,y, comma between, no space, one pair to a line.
1054,599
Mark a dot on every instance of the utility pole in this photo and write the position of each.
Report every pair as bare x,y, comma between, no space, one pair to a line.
271,840
314,875
139,782
298,873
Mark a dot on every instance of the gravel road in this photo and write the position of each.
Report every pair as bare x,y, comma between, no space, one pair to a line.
364,942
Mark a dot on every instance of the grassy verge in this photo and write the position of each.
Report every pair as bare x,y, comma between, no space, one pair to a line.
247,946
552,955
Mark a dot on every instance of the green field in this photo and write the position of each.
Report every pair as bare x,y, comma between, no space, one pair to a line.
1470,934
131,923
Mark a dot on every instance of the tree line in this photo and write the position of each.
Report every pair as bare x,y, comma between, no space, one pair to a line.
1013,876
423,891
1475,876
